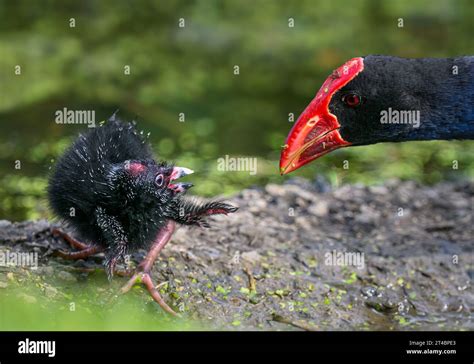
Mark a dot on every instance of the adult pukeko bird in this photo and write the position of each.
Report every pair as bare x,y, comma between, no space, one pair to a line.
384,99
108,187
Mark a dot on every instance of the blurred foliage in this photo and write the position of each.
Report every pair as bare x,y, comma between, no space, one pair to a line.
82,306
190,70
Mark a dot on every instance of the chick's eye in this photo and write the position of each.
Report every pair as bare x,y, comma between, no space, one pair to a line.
159,180
352,100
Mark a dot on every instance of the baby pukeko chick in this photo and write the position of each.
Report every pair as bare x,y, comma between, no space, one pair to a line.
110,189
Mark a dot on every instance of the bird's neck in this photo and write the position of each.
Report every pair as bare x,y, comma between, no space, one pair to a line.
447,107
444,126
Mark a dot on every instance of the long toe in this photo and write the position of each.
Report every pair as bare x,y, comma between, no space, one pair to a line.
145,278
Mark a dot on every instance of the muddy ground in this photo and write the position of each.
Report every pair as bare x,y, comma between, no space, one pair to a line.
266,268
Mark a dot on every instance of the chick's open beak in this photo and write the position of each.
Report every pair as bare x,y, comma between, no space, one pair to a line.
176,173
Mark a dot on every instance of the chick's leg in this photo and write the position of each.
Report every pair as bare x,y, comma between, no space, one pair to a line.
142,274
73,242
84,250
84,253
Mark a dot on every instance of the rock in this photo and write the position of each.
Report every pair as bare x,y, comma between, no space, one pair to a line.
66,276
344,191
46,271
275,190
367,215
4,224
297,191
253,257
27,298
50,291
20,231
303,222
257,206
378,190
319,208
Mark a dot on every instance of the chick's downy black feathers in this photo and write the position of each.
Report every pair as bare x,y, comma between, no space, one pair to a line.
108,186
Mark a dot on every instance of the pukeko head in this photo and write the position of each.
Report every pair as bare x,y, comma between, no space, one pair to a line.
149,179
384,99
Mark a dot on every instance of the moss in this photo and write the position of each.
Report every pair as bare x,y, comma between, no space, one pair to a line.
244,290
352,278
222,290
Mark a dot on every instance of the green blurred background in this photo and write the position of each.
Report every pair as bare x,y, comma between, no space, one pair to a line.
190,70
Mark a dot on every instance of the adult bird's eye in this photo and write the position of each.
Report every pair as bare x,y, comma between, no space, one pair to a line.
159,179
352,100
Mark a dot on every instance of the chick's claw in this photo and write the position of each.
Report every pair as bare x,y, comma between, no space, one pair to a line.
142,275
145,279
219,208
223,210
214,208
192,212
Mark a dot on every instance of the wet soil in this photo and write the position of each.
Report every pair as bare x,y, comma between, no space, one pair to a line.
277,264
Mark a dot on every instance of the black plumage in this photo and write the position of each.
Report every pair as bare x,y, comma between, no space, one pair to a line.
110,189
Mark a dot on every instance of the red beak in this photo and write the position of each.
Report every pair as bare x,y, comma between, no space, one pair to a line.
316,132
